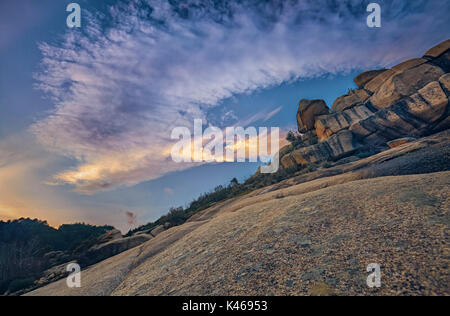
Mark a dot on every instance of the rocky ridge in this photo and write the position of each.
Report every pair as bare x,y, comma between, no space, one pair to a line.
409,100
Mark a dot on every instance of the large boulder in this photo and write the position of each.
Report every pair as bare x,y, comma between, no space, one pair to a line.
385,125
100,252
414,116
341,145
429,104
405,83
158,230
366,77
327,125
307,111
310,155
113,234
337,146
353,98
375,84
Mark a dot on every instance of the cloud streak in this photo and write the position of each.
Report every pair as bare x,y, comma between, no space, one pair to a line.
132,74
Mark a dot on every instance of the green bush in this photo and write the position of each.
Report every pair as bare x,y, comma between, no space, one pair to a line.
295,139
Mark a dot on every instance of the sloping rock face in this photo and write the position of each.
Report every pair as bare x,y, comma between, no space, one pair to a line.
409,100
404,83
413,116
355,97
300,243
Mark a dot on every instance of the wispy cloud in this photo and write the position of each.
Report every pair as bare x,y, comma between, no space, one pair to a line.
272,113
130,75
259,116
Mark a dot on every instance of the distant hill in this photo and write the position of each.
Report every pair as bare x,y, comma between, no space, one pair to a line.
29,246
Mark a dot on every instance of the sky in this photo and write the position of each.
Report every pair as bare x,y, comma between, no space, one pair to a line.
86,113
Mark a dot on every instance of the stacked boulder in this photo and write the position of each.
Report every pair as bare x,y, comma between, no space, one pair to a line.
409,100
111,244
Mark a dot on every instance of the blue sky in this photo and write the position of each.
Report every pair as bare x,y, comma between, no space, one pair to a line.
86,114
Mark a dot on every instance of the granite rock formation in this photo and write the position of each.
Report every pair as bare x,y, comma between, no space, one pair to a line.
409,100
